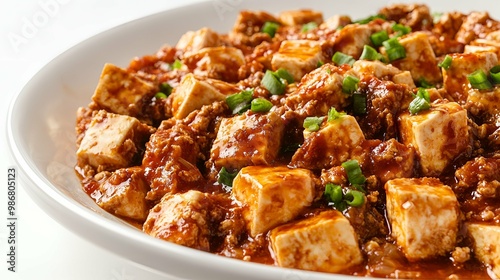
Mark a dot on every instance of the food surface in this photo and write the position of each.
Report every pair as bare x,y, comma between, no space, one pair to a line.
366,147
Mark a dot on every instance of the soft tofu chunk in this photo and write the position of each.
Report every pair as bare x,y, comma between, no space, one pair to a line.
248,139
298,57
220,63
124,194
424,216
455,78
335,22
112,141
272,195
121,92
383,71
250,22
299,17
331,145
325,242
486,245
438,135
420,59
193,41
352,38
182,219
193,92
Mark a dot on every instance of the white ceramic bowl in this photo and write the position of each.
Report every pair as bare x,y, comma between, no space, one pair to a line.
42,117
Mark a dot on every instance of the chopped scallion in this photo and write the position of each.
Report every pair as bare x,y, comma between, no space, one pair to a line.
312,123
354,198
418,104
166,88
226,178
177,64
270,28
333,193
272,83
359,104
378,38
341,58
350,84
319,64
422,82
495,74
354,174
401,29
369,53
479,80
309,26
260,105
369,19
160,95
394,49
284,74
333,114
240,102
446,63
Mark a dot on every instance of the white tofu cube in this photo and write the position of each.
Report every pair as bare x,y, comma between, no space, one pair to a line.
220,63
383,71
121,92
187,211
193,92
455,80
325,242
330,146
193,41
420,58
336,21
352,38
272,195
298,17
298,57
438,135
112,141
424,216
124,194
247,139
486,245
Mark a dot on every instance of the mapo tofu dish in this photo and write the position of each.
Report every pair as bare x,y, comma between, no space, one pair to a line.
366,147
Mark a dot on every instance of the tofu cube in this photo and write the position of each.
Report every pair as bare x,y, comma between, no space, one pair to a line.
220,63
383,71
331,145
121,92
193,92
299,17
424,216
335,22
124,194
182,219
247,139
352,38
438,135
455,80
112,141
325,242
298,57
420,58
272,195
193,41
486,245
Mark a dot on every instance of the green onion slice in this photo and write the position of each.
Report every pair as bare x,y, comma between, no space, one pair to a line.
284,74
312,123
270,28
422,82
309,26
177,64
319,64
369,53
166,88
354,174
369,19
272,83
350,84
342,58
401,29
225,177
423,93
378,38
421,102
260,105
160,95
394,49
446,63
240,102
354,198
479,80
495,74
333,193
333,114
359,104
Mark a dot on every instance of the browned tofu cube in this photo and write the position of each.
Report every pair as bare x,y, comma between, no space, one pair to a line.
193,41
124,194
247,139
298,57
298,17
352,38
220,63
325,242
424,216
121,92
486,245
272,195
438,135
182,219
112,141
383,71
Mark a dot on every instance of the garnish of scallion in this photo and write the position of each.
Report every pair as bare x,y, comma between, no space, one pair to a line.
378,38
495,74
240,102
369,53
446,63
354,198
341,58
479,80
270,28
354,173
312,123
394,49
421,102
260,105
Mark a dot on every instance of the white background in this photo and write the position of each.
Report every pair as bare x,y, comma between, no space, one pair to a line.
32,32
